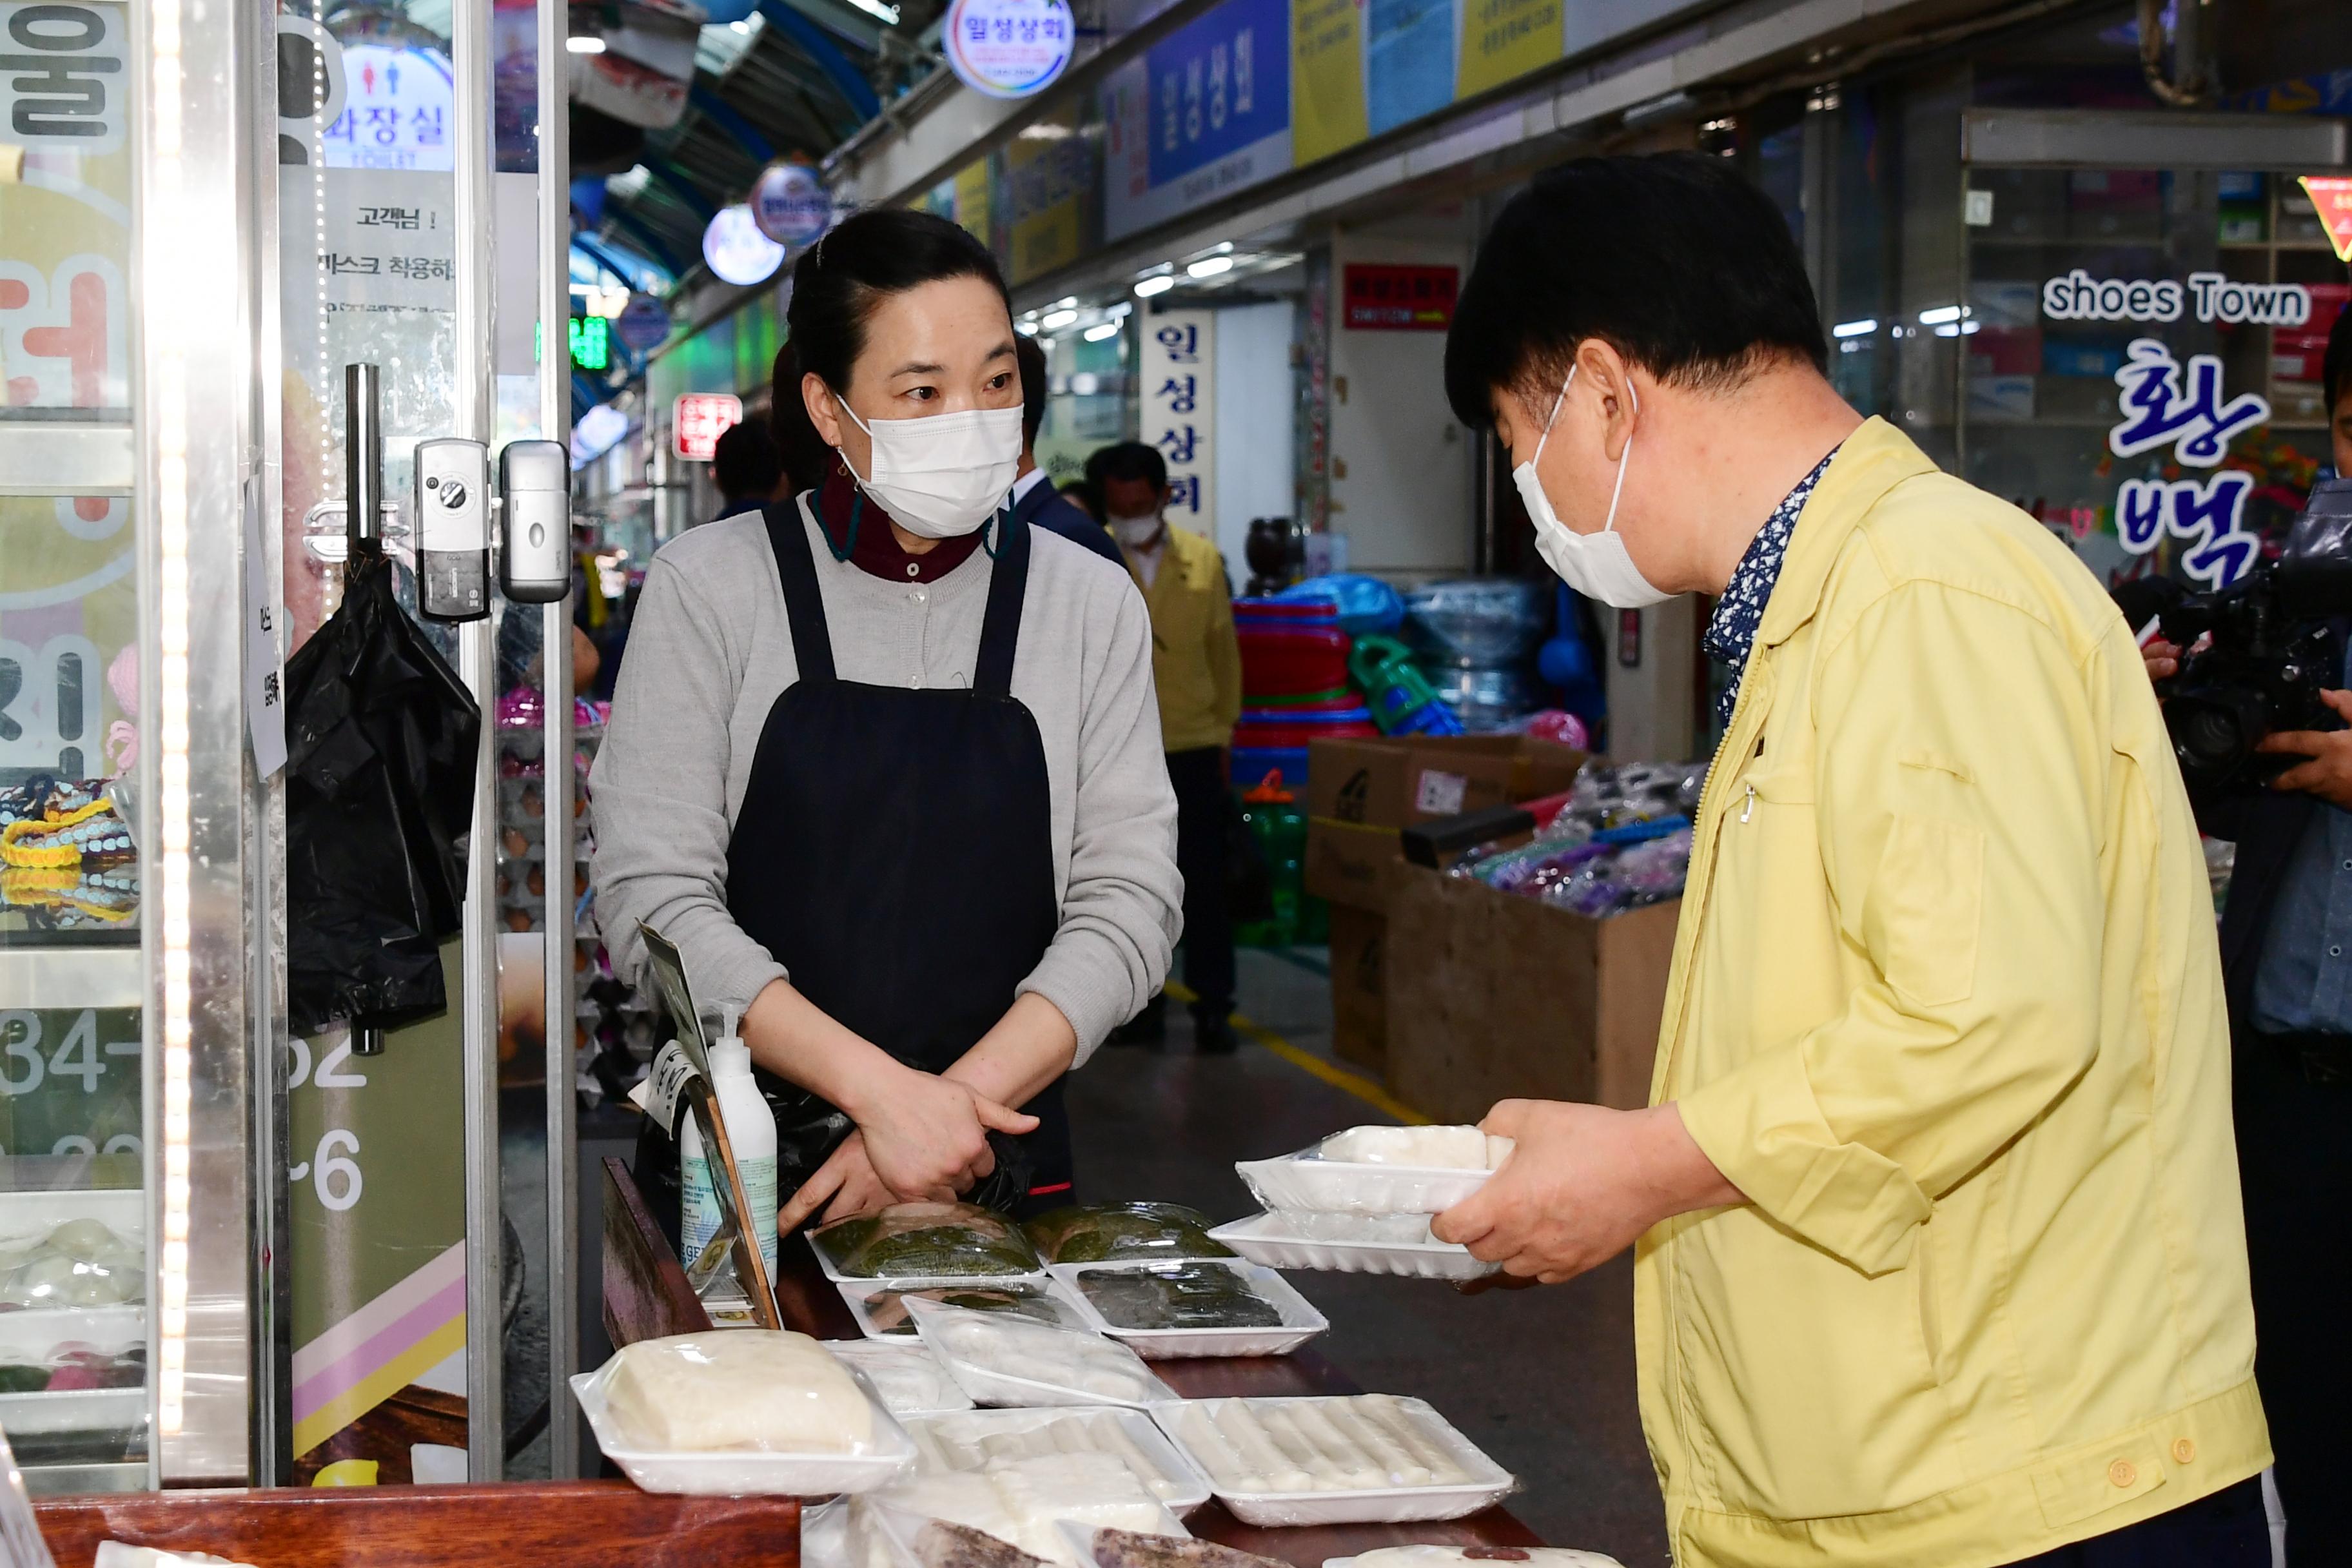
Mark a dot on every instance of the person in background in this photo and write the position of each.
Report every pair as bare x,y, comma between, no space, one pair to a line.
1939,1260
747,469
2284,932
1035,498
1196,663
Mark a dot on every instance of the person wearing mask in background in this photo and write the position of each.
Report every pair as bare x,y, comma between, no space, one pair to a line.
884,764
1939,1258
1035,501
746,468
1196,664
2285,931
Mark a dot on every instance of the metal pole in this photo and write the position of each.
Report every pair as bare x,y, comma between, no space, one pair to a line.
364,525
469,38
555,659
362,454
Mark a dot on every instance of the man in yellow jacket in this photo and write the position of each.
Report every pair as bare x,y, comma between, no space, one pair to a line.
1196,667
1939,1258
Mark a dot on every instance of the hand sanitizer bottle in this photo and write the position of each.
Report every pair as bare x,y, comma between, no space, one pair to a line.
751,1134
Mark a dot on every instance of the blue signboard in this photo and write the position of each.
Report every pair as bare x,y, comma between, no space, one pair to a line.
1408,61
1218,87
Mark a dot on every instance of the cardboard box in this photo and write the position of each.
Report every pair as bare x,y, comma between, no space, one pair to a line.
1493,996
1360,792
1360,1006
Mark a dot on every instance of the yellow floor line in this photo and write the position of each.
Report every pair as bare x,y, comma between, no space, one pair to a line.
1338,1077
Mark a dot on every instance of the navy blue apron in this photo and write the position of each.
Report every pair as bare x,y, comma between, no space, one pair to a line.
894,852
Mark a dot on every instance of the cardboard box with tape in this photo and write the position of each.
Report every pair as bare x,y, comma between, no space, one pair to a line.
1489,995
1360,794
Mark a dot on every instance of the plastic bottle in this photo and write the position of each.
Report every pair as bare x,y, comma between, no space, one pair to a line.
751,1133
1275,820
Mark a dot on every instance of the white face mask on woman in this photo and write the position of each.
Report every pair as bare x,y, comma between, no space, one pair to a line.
943,476
1595,565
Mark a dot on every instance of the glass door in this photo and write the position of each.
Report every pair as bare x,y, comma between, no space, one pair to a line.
422,231
73,1231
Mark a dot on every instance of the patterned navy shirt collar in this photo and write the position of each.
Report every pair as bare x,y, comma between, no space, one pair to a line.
1731,630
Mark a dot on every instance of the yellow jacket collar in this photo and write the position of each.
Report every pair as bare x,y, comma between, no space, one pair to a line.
1872,461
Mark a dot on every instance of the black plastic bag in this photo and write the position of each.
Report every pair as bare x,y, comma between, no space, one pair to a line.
381,742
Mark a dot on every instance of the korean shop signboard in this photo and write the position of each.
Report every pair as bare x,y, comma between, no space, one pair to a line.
698,418
2179,411
1179,364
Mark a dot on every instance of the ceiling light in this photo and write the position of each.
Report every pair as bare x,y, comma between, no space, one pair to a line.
1026,329
584,44
1097,334
1055,320
888,14
1150,286
1210,267
1939,315
1063,303
1861,329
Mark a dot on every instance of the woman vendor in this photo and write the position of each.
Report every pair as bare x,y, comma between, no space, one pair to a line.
886,768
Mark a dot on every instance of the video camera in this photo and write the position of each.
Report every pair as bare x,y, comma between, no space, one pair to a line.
2271,651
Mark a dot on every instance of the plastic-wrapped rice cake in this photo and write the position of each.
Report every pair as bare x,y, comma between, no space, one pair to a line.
1427,1148
988,1443
762,1389
1018,1502
1086,1367
1369,1442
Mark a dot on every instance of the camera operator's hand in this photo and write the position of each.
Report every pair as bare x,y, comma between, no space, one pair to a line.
2162,658
2328,774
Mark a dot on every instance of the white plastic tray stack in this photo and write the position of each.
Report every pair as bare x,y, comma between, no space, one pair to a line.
1360,1202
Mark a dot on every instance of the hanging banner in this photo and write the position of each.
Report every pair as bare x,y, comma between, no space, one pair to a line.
1204,113
1049,181
1179,364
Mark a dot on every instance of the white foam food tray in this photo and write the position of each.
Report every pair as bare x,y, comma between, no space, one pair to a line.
1300,1320
1489,1482
992,1385
1266,1239
745,1472
954,1439
55,1411
860,1295
1306,1181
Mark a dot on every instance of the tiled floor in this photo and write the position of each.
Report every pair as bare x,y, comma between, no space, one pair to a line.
1541,1379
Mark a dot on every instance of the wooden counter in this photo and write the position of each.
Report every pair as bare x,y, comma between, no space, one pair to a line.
645,1296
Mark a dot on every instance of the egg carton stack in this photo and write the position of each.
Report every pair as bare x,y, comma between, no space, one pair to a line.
604,1009
1360,1202
73,1317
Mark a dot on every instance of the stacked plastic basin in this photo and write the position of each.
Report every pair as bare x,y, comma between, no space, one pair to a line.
1295,688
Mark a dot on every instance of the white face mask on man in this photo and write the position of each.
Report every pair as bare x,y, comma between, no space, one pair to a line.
1595,565
1135,532
943,476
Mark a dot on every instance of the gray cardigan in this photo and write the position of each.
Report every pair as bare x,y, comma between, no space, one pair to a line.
709,651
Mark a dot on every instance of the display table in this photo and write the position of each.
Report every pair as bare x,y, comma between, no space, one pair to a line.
645,1296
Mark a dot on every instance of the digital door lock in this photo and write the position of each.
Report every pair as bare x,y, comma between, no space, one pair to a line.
454,505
